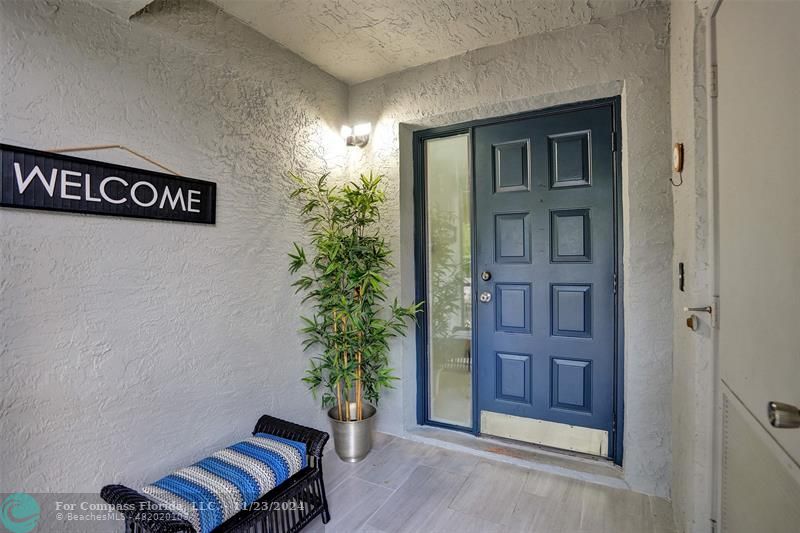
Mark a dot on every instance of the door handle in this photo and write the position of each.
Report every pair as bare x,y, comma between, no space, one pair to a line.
783,415
485,297
711,310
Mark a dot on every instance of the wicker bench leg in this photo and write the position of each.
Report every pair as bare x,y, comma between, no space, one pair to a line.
326,515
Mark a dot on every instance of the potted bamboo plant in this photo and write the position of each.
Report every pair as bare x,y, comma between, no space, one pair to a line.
351,323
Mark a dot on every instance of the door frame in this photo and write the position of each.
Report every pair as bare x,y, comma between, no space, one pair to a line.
421,262
712,183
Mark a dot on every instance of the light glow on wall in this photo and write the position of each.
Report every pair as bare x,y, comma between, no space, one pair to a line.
361,130
357,135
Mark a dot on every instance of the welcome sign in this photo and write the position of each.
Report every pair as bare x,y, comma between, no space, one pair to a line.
33,179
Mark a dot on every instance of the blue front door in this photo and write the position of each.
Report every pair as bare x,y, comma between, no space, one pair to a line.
545,280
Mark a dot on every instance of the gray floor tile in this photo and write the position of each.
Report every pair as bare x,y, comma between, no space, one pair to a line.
596,506
334,470
452,461
352,503
526,512
417,504
626,503
549,485
661,513
405,486
391,466
490,492
380,440
548,503
447,520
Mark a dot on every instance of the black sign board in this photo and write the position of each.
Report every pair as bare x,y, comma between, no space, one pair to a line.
33,179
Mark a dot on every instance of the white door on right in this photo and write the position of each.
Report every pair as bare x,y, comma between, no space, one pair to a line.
758,261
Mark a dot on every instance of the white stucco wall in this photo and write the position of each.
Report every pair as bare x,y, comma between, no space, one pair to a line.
130,347
389,36
121,339
625,55
693,380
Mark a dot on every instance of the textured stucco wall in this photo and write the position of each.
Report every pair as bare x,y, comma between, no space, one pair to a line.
130,347
388,36
692,384
151,333
625,55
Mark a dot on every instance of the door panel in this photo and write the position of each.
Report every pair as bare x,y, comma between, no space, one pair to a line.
544,201
758,260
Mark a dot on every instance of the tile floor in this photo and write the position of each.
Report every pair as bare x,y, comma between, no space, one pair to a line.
414,487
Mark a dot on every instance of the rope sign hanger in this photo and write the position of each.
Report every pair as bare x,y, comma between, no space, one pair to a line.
111,147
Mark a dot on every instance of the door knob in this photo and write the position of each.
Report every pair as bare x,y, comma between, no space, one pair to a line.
485,297
783,415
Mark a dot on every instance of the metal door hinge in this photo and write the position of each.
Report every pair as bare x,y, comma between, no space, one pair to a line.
714,89
614,146
713,526
715,316
616,282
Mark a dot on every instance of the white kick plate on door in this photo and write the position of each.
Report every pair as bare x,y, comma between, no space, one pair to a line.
553,434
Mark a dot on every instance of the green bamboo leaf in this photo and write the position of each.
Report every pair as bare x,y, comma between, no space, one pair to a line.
348,262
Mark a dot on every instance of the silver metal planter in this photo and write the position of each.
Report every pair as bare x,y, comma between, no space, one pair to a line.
352,439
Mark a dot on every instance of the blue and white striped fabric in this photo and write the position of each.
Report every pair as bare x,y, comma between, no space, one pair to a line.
211,491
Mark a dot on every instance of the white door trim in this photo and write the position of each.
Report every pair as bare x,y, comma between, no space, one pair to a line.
713,210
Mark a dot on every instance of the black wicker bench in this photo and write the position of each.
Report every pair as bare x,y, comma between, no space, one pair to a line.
285,509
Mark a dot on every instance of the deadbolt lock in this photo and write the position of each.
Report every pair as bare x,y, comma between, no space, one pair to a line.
486,275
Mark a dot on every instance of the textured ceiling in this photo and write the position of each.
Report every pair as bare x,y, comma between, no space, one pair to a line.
357,40
122,8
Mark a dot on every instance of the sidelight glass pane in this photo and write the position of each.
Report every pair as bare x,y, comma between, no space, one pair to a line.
449,279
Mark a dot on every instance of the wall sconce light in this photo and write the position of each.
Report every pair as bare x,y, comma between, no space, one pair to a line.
357,135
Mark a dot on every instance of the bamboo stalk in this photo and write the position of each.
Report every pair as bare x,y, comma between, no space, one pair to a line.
359,394
339,399
338,383
346,399
346,389
346,394
359,398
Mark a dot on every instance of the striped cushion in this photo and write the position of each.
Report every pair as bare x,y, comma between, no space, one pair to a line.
212,490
